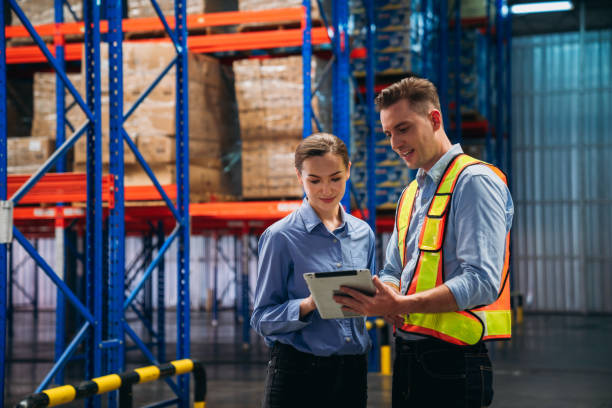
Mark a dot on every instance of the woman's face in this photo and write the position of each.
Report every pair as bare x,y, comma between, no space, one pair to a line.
324,181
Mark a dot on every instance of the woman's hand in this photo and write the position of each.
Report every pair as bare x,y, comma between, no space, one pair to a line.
307,305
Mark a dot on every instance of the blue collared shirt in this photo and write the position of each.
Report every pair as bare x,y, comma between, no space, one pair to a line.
297,244
474,243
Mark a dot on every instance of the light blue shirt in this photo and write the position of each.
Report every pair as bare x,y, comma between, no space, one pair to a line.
297,244
480,216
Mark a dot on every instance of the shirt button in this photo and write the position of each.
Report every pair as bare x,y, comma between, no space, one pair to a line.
335,240
338,265
348,339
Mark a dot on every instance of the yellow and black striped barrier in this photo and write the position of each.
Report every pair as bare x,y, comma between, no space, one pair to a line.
383,341
122,382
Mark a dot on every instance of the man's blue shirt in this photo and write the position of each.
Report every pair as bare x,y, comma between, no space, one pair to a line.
297,244
474,243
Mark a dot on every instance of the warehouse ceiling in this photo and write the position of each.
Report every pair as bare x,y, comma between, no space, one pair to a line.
597,13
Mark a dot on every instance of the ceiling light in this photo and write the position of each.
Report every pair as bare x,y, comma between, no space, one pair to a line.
541,7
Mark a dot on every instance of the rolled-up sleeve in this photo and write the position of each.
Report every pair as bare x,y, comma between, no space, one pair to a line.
484,213
392,270
273,314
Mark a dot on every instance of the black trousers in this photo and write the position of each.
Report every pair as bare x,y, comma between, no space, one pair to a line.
433,373
297,379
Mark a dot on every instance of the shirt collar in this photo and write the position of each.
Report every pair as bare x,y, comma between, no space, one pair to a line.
437,170
311,219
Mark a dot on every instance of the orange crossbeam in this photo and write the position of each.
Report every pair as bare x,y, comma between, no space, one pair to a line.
250,210
198,44
57,187
72,187
154,23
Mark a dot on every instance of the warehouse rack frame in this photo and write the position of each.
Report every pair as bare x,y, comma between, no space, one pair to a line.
94,213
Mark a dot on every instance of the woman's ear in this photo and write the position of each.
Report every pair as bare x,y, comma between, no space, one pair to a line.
299,176
348,170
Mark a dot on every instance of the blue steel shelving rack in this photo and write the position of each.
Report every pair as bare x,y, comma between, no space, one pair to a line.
105,350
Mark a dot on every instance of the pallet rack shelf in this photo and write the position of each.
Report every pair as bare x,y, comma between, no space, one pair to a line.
105,217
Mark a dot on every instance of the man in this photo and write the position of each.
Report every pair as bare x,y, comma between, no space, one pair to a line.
447,257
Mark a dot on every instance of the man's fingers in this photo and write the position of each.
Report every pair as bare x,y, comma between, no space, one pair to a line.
354,293
380,285
346,301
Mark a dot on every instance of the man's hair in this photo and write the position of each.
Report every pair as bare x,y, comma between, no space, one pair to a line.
420,93
318,144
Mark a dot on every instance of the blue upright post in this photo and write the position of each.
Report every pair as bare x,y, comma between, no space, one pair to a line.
182,182
3,192
457,69
499,84
508,63
244,269
161,309
215,293
306,69
488,116
116,224
60,167
371,112
91,12
443,62
425,52
340,82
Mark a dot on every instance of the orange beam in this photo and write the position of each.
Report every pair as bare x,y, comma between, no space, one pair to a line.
58,187
72,187
49,213
254,40
198,44
154,23
249,210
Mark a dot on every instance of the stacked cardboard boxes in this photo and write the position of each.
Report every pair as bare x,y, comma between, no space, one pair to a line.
250,5
143,8
28,153
152,126
43,11
269,93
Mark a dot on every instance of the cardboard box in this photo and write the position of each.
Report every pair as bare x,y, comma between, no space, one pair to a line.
44,117
162,150
43,11
249,5
143,8
268,169
26,154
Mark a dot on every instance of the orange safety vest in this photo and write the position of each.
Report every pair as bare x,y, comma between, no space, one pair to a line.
466,327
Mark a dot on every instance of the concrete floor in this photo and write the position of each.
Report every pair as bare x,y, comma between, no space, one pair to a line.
552,361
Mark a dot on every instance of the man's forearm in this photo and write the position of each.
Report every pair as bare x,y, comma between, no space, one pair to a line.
437,300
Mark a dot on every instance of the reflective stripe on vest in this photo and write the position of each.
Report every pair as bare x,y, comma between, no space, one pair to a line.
466,327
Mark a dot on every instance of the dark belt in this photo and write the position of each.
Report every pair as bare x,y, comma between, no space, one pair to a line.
285,351
429,344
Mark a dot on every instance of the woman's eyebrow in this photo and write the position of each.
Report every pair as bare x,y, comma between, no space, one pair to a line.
331,175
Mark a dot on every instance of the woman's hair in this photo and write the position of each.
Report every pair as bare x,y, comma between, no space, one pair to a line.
419,92
318,144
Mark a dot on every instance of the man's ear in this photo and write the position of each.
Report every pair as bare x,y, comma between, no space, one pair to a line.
299,175
436,119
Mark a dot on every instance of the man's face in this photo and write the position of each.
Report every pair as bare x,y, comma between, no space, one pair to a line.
412,134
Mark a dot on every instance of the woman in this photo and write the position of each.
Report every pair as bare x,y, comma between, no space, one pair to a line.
314,362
